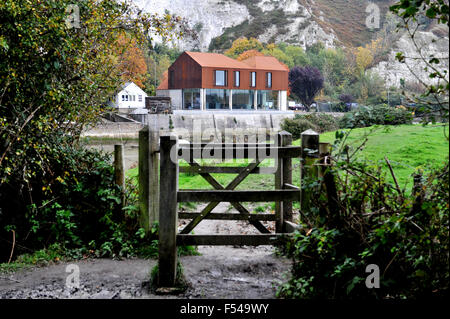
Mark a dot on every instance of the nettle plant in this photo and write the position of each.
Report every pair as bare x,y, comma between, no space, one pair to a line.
357,218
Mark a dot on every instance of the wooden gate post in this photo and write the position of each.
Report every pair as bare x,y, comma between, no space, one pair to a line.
286,140
279,185
283,176
148,178
168,218
154,177
119,172
310,153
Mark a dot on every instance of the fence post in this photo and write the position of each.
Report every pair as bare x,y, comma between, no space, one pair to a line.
168,219
154,177
279,185
119,172
144,178
286,140
310,153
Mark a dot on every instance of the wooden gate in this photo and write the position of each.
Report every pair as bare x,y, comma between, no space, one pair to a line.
282,151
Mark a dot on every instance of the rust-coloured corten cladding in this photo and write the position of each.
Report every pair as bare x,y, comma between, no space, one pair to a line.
185,73
196,70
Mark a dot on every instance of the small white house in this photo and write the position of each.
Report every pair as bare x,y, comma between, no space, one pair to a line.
130,96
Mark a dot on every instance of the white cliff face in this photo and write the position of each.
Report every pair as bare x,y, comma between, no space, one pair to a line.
301,27
288,6
209,17
431,46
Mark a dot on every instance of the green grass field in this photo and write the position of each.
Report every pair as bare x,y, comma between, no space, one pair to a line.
408,147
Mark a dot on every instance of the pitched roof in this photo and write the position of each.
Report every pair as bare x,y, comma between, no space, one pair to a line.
216,60
164,85
269,63
124,85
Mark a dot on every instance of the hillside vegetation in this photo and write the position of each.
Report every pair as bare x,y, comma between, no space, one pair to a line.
346,18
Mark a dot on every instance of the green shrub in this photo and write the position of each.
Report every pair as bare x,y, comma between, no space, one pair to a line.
79,206
375,115
369,221
297,126
319,122
324,122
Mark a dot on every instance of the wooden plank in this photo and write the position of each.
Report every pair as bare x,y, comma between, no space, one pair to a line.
223,145
188,154
219,240
237,196
228,216
168,222
291,227
225,170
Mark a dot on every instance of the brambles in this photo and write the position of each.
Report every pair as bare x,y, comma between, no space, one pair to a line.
357,219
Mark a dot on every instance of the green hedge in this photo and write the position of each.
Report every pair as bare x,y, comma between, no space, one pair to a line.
375,115
319,122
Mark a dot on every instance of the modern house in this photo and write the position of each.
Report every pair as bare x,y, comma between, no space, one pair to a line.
130,96
212,81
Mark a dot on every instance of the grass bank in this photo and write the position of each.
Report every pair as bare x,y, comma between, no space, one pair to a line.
407,147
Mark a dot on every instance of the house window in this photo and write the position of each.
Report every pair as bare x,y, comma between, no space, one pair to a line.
140,98
220,78
191,99
237,78
253,79
123,97
217,99
243,99
269,79
267,100
126,97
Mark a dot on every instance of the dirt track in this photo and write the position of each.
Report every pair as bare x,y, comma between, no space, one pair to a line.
220,272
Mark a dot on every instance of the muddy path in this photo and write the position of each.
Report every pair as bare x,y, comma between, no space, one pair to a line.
219,272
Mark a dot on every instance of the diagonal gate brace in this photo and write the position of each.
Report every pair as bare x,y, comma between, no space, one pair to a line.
238,206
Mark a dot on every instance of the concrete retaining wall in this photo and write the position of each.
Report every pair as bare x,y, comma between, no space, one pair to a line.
215,121
210,122
114,130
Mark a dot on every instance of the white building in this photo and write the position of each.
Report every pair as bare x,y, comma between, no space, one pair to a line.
130,96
